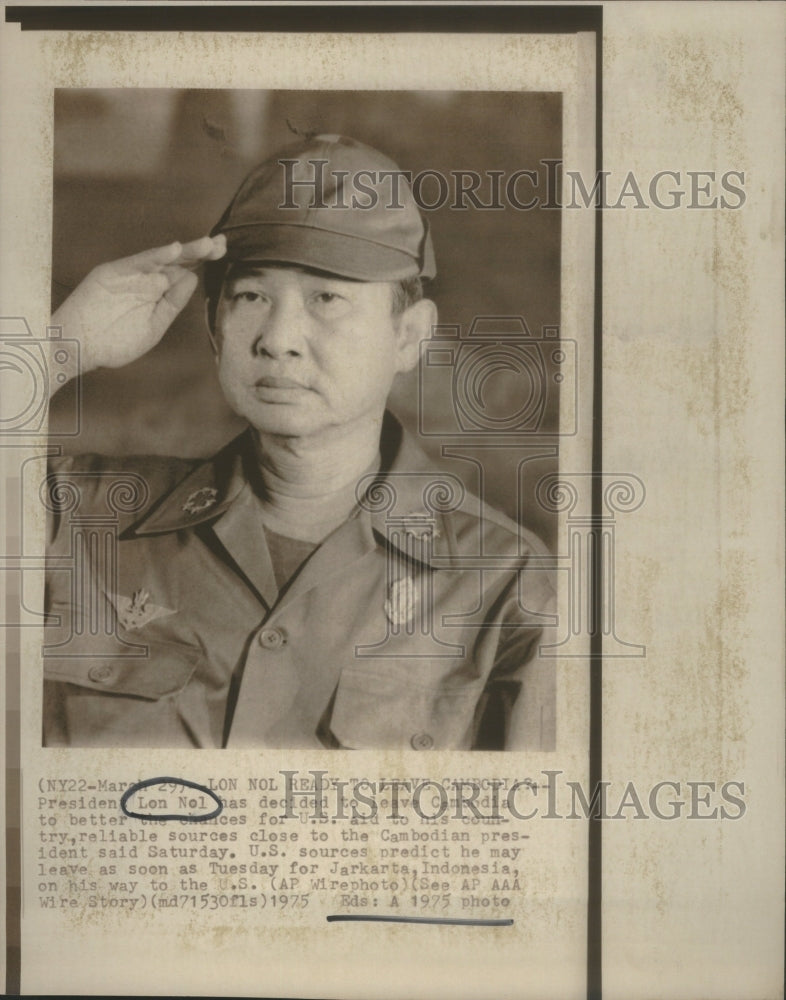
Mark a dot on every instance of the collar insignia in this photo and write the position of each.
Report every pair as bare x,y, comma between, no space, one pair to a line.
200,500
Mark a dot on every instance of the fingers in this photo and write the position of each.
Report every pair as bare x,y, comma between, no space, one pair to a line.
219,247
206,248
180,291
170,304
148,260
173,254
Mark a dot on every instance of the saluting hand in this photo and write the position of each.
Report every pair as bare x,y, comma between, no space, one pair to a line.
122,309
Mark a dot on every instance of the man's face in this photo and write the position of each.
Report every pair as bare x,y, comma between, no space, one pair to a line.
300,354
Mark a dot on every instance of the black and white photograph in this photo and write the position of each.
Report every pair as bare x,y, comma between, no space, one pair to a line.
328,530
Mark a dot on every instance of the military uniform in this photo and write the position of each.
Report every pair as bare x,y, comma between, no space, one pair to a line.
414,625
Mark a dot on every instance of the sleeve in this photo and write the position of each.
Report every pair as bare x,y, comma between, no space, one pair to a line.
57,476
58,495
517,710
71,481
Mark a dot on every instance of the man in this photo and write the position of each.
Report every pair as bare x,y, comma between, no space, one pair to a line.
316,583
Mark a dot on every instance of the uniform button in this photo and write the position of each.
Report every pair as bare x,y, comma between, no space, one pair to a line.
271,638
103,674
422,741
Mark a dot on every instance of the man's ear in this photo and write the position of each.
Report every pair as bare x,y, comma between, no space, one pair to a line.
211,333
414,325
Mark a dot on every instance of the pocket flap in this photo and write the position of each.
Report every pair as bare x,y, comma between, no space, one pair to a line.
166,669
382,709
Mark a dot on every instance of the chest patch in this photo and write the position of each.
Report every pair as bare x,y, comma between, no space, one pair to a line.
135,612
402,599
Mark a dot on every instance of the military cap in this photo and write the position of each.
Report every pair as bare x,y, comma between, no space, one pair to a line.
332,204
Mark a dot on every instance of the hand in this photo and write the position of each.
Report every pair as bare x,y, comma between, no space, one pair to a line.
122,309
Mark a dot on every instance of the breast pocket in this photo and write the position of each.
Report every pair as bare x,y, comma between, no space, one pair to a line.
164,670
123,663
385,708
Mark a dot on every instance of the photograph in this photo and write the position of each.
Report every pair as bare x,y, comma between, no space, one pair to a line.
311,515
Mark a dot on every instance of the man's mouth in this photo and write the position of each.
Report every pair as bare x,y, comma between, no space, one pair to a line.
279,389
277,382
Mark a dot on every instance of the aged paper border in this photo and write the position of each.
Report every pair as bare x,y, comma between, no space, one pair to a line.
696,909
553,68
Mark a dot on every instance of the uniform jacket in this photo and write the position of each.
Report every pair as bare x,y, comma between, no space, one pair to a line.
414,625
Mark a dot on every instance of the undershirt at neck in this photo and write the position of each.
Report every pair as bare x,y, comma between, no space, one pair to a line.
287,555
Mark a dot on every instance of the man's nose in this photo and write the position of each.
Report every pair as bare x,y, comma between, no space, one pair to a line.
282,332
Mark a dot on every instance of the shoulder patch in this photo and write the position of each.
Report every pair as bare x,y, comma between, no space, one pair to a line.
482,528
125,487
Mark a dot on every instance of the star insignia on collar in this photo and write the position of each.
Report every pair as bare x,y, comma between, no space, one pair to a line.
199,500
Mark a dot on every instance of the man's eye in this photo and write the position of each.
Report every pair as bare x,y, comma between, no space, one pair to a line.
331,301
246,296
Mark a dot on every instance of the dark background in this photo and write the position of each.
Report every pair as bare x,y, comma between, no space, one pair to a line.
137,168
